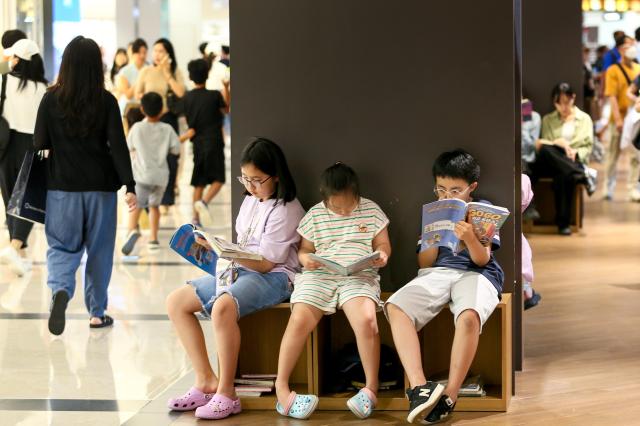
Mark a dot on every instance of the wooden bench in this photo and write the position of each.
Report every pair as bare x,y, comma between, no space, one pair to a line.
262,333
545,204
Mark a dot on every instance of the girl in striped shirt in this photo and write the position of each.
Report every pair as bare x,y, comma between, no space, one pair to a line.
342,228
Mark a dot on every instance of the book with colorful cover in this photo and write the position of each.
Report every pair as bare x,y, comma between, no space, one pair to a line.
440,217
354,267
225,249
184,243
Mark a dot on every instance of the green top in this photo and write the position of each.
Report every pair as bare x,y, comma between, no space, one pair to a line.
582,140
4,67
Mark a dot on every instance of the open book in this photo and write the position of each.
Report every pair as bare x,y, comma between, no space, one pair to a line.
225,249
440,217
184,243
350,269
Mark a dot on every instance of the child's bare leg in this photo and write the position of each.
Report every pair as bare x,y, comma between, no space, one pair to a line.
181,305
361,313
154,219
463,350
405,338
302,321
224,317
134,217
212,191
197,196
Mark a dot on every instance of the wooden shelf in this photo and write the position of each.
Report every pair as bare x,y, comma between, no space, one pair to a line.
260,348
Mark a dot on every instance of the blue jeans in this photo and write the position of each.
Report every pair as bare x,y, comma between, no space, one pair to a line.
252,291
75,222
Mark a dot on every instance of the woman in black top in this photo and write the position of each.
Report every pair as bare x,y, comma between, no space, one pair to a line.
79,123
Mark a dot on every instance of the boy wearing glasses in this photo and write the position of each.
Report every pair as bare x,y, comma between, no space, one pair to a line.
470,282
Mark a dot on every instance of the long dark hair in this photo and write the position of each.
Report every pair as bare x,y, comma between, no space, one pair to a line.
268,157
115,68
80,86
32,70
169,48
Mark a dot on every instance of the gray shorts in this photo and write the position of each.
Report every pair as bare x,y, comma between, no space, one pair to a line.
426,295
149,195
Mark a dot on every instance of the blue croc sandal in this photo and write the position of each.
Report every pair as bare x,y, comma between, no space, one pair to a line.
298,406
362,403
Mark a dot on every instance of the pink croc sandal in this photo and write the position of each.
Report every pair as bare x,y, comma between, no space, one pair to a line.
219,407
189,401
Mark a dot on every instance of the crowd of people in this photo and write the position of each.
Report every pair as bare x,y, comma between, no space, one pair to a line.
149,99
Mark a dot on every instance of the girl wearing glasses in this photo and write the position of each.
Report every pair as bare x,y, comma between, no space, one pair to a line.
266,224
342,228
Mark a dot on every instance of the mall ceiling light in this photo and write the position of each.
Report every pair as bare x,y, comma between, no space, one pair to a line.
596,5
610,5
635,5
622,5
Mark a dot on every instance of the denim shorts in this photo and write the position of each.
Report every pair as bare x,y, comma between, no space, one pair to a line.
252,291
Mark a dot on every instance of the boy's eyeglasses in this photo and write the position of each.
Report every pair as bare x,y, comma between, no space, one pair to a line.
455,192
256,183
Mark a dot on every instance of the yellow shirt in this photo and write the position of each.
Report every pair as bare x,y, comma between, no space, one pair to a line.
616,85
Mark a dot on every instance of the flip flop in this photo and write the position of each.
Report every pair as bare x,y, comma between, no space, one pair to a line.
191,400
107,321
219,407
298,406
362,403
57,316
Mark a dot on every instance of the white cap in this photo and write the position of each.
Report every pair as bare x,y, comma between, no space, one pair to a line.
23,49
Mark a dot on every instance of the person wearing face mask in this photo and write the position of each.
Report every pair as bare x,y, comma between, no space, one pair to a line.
618,78
562,152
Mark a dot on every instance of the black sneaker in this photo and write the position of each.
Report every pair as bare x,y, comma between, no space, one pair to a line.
441,411
57,315
422,399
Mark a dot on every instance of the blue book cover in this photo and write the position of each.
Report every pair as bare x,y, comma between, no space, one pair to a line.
438,221
440,217
184,243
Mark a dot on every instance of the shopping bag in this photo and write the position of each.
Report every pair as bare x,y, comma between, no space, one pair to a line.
29,198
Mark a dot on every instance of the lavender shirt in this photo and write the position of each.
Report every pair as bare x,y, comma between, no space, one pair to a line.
275,236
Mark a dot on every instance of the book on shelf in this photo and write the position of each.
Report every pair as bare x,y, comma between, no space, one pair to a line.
440,217
392,384
472,386
259,376
255,382
252,390
356,266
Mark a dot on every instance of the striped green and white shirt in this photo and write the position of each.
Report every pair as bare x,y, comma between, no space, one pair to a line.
343,239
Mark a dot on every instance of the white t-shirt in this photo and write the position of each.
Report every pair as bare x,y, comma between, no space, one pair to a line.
21,106
219,72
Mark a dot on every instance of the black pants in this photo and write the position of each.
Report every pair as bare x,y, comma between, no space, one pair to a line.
551,161
169,196
19,145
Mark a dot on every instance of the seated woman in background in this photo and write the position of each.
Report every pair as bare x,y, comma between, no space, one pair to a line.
562,152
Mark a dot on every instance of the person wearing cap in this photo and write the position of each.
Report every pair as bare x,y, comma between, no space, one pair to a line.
9,38
24,88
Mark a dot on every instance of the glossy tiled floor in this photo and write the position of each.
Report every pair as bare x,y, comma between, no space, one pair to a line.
98,377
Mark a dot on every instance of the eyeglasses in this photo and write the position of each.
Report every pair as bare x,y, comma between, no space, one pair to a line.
455,192
256,182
